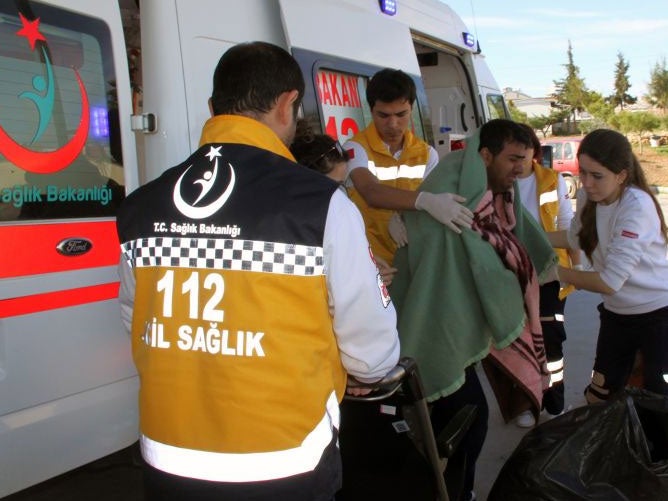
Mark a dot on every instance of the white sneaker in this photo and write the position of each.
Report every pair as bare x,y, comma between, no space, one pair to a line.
525,420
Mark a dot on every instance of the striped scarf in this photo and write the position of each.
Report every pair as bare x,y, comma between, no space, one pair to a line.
521,365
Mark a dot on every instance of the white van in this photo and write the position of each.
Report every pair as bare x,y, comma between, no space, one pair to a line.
76,134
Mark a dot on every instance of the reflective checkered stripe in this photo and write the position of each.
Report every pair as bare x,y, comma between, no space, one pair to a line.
225,254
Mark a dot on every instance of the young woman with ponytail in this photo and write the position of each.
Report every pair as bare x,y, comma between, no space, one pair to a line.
621,229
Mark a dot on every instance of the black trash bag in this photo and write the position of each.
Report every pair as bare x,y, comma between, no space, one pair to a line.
617,450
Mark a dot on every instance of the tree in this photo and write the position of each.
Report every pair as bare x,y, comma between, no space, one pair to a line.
571,91
658,86
543,123
516,114
639,123
601,109
621,96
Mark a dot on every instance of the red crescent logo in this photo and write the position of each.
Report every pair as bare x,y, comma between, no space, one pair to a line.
42,162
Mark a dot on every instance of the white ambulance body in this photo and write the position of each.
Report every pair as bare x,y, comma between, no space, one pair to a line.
70,148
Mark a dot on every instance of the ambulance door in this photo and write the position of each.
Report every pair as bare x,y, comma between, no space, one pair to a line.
67,382
339,46
182,41
450,92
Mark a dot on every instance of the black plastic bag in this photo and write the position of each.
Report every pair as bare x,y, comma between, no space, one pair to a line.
617,450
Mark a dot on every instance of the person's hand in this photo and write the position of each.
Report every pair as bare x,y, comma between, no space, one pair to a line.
397,230
353,388
386,271
357,391
446,208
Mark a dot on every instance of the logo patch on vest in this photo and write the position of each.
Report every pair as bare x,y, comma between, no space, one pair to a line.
206,182
629,234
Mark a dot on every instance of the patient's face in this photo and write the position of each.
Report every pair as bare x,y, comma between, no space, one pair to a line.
503,169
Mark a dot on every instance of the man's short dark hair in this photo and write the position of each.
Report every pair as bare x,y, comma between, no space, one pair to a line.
390,85
250,77
495,134
535,143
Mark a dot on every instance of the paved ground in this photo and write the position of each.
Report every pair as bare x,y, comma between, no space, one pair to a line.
114,478
579,349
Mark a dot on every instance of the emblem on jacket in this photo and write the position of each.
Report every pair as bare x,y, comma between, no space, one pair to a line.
207,182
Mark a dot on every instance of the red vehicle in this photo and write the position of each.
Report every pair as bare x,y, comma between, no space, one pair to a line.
565,160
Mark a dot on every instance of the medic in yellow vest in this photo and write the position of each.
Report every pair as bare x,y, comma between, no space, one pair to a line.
250,295
388,162
544,194
547,201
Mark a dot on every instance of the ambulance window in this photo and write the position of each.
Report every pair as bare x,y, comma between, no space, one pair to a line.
342,100
496,106
59,138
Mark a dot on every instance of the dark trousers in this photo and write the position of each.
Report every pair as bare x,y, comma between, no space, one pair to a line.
554,335
464,459
619,338
320,485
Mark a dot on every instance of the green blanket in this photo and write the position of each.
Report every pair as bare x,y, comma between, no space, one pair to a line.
453,295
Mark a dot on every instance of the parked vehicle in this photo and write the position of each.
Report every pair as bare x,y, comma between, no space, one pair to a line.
81,125
565,160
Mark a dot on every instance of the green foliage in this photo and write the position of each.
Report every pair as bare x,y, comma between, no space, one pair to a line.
599,107
586,126
621,97
658,86
639,123
516,114
543,123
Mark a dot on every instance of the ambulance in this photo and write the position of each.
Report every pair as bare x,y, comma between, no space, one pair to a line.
97,98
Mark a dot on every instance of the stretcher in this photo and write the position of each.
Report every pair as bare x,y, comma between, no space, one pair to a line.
388,447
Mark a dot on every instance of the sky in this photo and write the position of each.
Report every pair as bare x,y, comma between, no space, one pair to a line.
526,42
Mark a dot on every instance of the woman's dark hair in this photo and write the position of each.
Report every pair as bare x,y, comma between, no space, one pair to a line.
319,152
613,151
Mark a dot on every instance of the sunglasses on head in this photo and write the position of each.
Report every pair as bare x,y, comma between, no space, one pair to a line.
335,147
